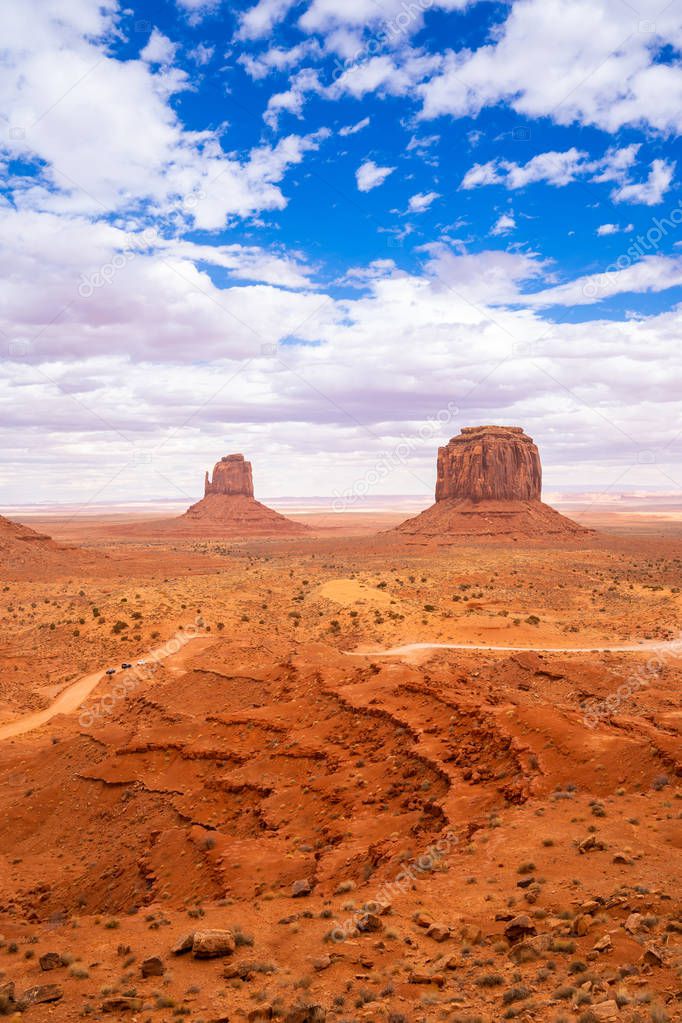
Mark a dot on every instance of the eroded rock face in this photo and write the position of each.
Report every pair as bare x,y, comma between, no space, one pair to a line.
231,476
483,463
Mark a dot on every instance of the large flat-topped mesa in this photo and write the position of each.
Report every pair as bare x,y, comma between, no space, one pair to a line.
489,484
498,463
231,475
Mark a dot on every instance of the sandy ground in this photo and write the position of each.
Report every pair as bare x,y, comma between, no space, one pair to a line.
457,786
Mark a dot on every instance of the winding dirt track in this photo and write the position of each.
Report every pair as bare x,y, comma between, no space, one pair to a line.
77,693
413,648
71,698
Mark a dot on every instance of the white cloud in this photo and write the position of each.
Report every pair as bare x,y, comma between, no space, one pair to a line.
562,168
293,100
395,18
278,59
504,224
369,175
384,74
159,49
259,20
201,54
72,107
606,229
353,129
602,55
650,274
420,202
651,191
556,168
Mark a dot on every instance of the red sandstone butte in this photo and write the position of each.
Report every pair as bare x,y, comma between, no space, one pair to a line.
232,475
489,483
229,508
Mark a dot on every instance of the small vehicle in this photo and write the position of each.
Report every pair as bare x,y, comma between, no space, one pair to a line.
111,671
141,662
126,665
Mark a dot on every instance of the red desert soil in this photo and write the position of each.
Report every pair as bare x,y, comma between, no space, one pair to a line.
513,818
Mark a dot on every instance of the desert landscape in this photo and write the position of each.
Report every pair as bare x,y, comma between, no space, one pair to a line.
426,772
341,511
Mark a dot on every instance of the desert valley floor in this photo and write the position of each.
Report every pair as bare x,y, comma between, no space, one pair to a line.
437,834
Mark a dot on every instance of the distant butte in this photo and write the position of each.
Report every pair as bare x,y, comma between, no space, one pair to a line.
489,483
229,505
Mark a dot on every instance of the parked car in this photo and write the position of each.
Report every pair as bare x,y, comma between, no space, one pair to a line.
111,671
126,665
141,662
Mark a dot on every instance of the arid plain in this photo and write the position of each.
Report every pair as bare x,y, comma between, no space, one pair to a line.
273,817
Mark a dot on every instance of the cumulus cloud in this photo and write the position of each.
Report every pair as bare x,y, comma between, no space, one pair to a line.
159,49
562,168
369,175
606,229
651,274
421,202
353,129
504,224
603,57
651,191
71,106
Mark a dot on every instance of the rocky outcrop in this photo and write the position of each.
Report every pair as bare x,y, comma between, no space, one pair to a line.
232,475
489,484
23,550
229,508
498,463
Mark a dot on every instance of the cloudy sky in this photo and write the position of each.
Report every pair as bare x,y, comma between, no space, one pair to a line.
329,234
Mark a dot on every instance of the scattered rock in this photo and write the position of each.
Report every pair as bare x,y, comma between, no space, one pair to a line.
620,857
419,977
604,944
369,923
301,888
582,924
7,992
211,943
653,955
473,934
306,1014
590,844
263,1012
422,920
632,923
121,1003
183,944
323,963
40,994
50,961
439,932
152,967
520,927
606,1010
533,948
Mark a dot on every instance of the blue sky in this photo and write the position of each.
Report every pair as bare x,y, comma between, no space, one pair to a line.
326,232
